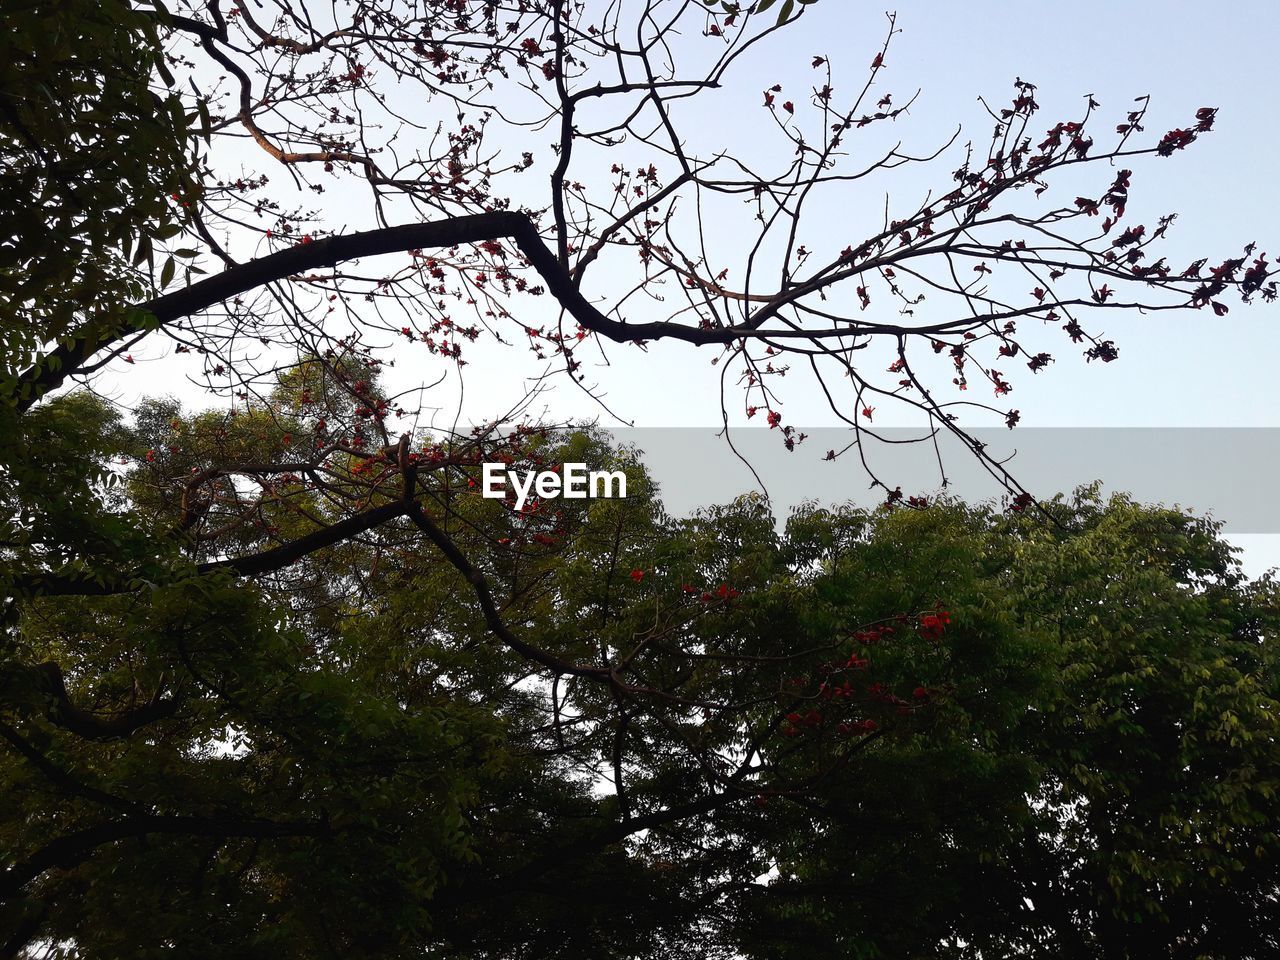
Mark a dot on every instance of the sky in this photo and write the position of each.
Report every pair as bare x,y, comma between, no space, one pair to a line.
1192,370
1189,371
1184,371
1181,371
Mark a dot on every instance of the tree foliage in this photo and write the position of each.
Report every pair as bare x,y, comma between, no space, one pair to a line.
81,210
597,730
279,656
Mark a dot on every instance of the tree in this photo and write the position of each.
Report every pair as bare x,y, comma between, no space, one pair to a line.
1098,774
468,245
79,213
266,658
1038,733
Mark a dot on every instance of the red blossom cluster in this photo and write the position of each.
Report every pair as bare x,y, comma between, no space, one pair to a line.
722,594
933,625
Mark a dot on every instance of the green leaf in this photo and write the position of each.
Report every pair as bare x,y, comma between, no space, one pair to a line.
144,250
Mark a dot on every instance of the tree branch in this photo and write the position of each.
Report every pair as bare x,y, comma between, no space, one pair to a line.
74,849
88,725
65,361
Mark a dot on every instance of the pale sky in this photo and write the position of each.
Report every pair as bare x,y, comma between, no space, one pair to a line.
1192,370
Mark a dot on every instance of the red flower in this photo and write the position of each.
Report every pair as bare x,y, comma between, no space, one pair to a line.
1176,140
933,625
1039,361
1021,502
637,575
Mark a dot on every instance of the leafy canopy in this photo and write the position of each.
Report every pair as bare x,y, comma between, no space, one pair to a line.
275,682
921,732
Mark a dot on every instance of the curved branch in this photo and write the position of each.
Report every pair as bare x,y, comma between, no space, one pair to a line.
66,360
71,850
268,561
492,618
57,775
90,726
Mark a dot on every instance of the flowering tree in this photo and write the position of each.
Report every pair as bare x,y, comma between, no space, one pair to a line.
691,737
469,224
285,652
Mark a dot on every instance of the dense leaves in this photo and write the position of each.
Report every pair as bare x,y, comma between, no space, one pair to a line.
923,732
98,171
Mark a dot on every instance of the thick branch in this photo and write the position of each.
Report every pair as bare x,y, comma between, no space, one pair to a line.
57,775
280,557
65,361
89,725
268,561
616,833
75,848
